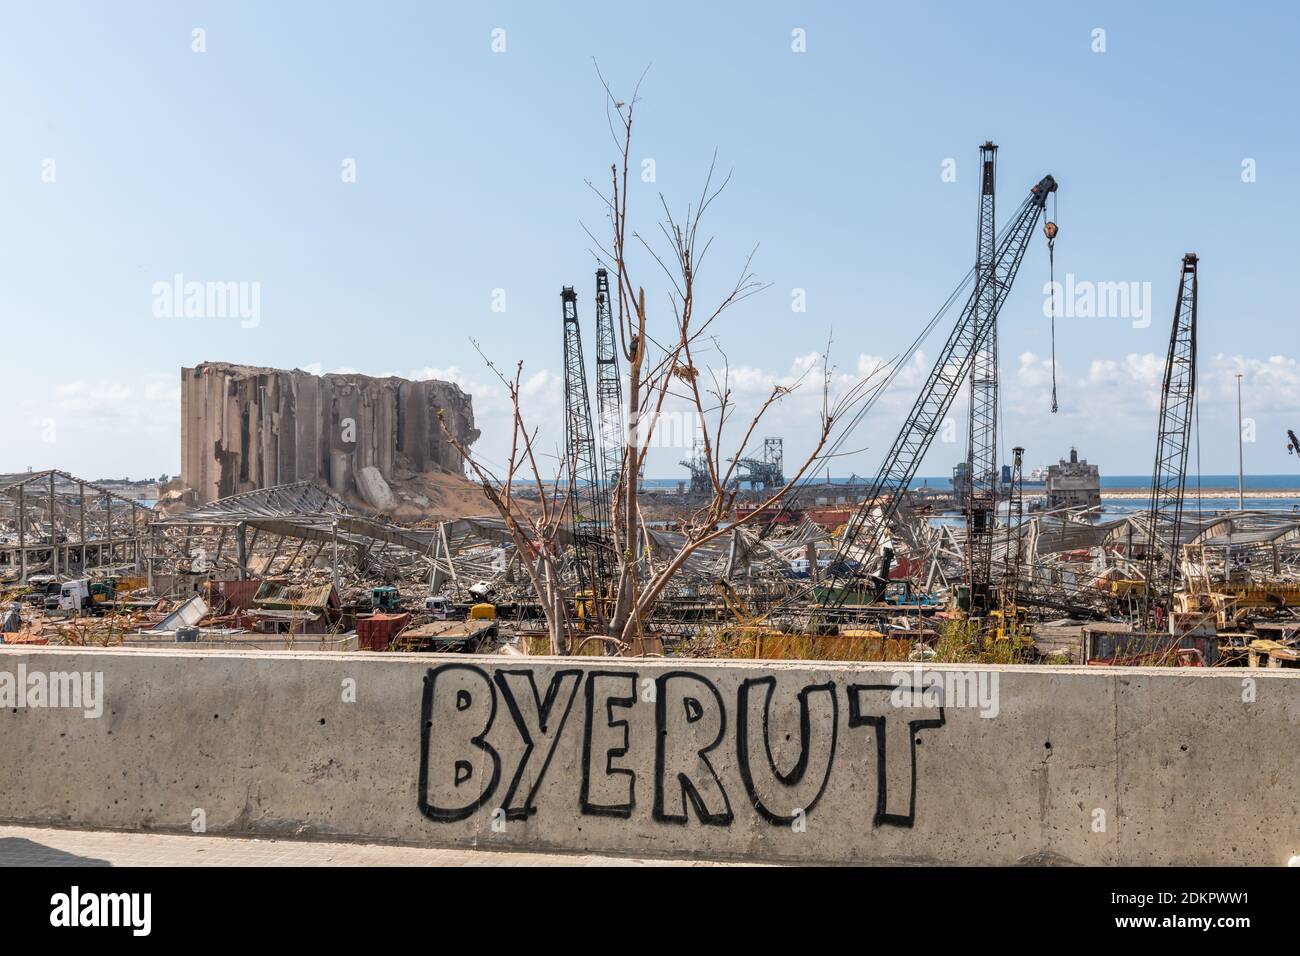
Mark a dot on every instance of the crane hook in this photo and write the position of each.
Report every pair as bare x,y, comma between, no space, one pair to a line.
1049,230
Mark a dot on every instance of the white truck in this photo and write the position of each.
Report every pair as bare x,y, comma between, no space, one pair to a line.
74,595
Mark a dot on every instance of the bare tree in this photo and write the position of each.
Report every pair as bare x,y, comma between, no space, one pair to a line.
536,532
673,371
659,368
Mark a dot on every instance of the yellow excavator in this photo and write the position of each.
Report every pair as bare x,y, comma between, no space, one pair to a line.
1009,623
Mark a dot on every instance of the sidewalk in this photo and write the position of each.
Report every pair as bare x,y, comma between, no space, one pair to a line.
32,846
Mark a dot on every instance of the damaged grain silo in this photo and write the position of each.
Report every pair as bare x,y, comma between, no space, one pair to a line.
244,428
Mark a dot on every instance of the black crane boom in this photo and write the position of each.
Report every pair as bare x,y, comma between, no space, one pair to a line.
866,529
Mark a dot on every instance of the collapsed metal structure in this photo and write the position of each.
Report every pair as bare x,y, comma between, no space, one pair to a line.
54,523
286,530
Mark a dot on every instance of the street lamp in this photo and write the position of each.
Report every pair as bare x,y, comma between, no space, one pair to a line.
1241,505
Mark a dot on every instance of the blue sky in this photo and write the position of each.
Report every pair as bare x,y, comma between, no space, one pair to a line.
471,171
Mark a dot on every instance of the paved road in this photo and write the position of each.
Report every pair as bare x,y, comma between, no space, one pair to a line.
32,846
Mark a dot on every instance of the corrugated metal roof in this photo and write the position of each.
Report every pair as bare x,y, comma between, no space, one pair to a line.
187,615
276,595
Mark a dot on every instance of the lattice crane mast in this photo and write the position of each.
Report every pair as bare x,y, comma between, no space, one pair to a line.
1013,561
1169,477
982,433
585,504
609,395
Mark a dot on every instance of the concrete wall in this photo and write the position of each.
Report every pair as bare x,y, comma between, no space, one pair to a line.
1085,765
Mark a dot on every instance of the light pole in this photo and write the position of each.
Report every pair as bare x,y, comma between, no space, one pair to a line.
1241,505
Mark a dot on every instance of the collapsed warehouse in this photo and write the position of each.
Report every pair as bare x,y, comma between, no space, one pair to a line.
293,566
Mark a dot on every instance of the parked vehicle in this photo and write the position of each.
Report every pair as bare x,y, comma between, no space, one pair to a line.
74,595
44,591
386,598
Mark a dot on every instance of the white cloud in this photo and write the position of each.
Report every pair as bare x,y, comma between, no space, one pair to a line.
1268,385
69,427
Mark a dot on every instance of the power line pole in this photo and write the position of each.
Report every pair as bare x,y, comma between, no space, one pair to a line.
1241,503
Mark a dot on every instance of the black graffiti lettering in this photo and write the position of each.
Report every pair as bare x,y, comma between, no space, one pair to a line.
684,761
783,777
857,719
475,708
608,747
533,719
754,734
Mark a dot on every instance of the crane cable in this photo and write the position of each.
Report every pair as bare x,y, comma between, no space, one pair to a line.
1049,230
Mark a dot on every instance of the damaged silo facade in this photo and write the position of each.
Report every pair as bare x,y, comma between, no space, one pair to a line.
244,428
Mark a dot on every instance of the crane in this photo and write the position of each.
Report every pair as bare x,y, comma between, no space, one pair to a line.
982,436
1169,477
585,505
1015,528
1009,617
698,465
609,395
767,472
866,530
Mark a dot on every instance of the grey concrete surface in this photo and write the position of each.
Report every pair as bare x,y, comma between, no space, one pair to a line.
665,758
46,846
